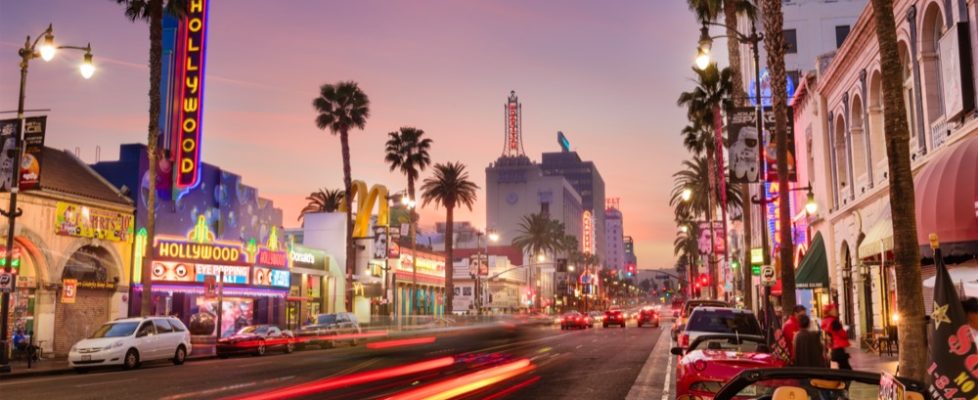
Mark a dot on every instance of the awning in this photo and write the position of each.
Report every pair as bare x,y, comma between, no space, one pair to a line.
879,236
813,272
946,194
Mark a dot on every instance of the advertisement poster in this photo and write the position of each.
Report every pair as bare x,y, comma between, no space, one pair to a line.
69,291
744,156
237,312
81,221
770,146
891,388
31,160
708,238
9,132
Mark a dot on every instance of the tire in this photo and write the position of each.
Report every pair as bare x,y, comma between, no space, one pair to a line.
260,351
180,356
289,347
222,356
81,370
131,360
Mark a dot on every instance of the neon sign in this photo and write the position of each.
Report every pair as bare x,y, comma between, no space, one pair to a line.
190,106
232,274
270,277
273,258
587,224
205,252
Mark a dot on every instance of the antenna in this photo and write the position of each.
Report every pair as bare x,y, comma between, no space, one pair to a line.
98,153
77,151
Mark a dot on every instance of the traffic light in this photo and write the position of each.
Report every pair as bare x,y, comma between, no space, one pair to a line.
630,270
734,264
704,280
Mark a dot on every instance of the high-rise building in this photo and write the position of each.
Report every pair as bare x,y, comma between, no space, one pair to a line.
614,238
586,180
630,251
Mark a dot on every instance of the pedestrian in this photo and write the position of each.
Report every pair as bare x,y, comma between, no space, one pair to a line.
791,327
970,306
838,338
807,347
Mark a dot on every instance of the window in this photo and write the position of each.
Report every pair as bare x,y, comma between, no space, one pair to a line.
790,41
466,291
545,208
162,326
841,32
177,325
146,329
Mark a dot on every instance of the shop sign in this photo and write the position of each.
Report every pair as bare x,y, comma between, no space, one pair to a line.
98,285
28,282
270,277
69,290
308,258
587,224
232,274
191,95
271,258
83,221
203,252
173,271
302,257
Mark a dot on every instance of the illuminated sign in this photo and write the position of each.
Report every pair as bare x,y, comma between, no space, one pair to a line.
513,111
190,104
303,257
563,142
757,256
83,221
270,277
232,274
273,258
202,252
173,271
587,223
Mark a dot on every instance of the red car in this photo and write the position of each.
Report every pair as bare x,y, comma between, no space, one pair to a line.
712,360
574,319
613,317
648,316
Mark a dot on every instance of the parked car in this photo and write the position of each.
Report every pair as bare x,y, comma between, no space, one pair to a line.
256,340
712,360
648,316
329,329
130,341
714,320
687,309
573,319
812,383
613,317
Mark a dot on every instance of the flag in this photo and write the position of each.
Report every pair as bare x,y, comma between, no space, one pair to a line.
952,355
779,344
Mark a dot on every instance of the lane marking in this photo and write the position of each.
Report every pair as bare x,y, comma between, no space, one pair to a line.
668,381
104,382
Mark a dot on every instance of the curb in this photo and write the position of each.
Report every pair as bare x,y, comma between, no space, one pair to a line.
33,373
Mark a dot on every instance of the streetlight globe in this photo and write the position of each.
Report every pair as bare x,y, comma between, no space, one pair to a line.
702,59
48,49
493,237
683,228
686,194
811,206
570,268
86,68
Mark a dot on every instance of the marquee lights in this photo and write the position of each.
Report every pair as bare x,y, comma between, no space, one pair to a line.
191,96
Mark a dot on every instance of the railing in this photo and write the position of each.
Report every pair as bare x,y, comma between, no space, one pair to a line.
940,130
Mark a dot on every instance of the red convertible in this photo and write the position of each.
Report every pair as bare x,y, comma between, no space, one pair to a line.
712,360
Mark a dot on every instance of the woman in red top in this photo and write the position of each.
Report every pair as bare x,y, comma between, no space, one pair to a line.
839,339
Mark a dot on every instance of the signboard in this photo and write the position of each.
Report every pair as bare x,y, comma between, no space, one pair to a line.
87,222
203,252
97,285
7,282
513,119
745,164
69,291
210,287
173,271
232,274
191,49
770,146
9,133
32,158
755,270
587,226
957,97
271,258
891,388
563,142
757,256
768,277
270,277
710,238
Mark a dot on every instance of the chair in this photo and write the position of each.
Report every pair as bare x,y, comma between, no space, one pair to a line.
789,393
888,339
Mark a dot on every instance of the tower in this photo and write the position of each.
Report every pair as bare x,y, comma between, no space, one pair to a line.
513,113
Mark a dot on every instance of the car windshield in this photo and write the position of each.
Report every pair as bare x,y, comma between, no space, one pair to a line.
115,329
253,329
723,321
815,388
731,343
326,319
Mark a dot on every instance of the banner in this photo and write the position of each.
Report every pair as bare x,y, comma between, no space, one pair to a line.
87,222
31,160
891,388
744,156
952,355
9,132
708,238
69,290
770,146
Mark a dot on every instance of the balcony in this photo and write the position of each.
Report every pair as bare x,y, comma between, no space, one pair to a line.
940,131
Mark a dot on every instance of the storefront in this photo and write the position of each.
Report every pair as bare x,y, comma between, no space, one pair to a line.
429,298
314,286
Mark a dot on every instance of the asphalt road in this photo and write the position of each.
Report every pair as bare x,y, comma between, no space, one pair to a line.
533,363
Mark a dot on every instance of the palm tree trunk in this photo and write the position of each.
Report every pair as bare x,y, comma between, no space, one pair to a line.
745,267
910,302
774,44
733,51
152,140
711,256
412,231
348,199
449,257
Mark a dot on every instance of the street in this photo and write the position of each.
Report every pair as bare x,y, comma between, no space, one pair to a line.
598,363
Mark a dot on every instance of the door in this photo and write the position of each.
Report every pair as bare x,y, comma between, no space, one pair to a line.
167,339
146,341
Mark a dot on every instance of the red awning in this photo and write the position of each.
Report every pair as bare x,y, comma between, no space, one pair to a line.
947,195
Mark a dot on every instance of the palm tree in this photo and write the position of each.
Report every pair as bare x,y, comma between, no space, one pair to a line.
910,302
450,187
339,108
151,11
774,44
407,151
322,200
537,235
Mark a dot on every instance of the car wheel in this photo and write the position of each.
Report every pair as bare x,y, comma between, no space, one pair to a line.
222,356
131,361
81,370
289,347
260,351
180,356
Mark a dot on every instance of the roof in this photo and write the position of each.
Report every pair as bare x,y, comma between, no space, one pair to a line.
64,173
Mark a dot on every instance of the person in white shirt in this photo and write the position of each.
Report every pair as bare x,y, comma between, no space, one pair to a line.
970,306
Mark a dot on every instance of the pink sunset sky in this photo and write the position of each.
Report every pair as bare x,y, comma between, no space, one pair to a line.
606,73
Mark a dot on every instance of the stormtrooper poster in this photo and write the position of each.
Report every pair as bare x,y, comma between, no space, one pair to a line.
9,132
744,159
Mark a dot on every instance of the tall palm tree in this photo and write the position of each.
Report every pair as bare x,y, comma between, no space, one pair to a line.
322,200
450,187
407,151
339,108
151,11
539,235
910,302
774,44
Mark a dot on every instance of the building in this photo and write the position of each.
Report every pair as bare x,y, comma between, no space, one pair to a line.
614,255
629,245
72,252
503,289
587,181
843,123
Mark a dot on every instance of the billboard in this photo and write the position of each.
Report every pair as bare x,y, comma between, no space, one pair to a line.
32,158
744,157
88,222
708,239
770,146
9,132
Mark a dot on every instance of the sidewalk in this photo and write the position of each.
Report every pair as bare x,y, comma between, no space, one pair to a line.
58,366
862,360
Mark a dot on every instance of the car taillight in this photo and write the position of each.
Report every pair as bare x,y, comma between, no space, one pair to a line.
684,340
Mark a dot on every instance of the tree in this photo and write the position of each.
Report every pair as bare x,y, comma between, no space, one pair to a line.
322,200
339,108
151,11
694,176
910,302
407,151
775,46
450,187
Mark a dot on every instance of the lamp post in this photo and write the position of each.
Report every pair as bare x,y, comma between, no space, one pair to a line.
491,236
45,50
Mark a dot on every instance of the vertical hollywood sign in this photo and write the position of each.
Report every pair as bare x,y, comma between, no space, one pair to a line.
513,127
191,104
588,231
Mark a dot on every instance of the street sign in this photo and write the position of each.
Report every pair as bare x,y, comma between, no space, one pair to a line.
767,276
6,282
757,256
755,270
69,290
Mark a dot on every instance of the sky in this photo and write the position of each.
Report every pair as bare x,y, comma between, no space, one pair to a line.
606,73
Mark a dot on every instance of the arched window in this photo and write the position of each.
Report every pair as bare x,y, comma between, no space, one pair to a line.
930,62
841,159
877,144
858,137
908,94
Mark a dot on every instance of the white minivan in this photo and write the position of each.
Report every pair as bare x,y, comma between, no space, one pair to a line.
130,341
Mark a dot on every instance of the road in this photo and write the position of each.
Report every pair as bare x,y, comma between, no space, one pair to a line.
533,363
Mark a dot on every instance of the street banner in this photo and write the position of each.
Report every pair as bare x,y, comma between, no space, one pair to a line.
952,355
9,132
778,343
69,290
710,239
380,242
771,146
32,159
745,163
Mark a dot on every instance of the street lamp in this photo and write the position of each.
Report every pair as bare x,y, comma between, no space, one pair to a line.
541,258
811,207
686,194
44,50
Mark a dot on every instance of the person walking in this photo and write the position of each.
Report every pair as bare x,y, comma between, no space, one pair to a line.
807,350
791,327
838,338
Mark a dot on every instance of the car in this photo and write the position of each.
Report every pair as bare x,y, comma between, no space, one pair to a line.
648,316
328,329
573,319
131,341
712,360
812,383
596,316
613,317
687,308
256,340
713,320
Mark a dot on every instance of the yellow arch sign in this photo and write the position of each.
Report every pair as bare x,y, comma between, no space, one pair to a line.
365,204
